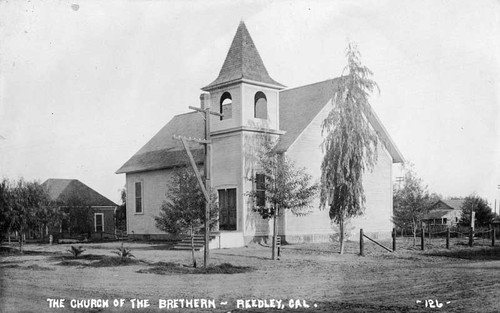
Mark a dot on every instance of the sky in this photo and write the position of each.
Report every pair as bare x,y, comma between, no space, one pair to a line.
85,84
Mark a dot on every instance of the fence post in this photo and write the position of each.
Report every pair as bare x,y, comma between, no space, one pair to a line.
429,233
361,243
394,239
493,236
471,237
447,237
422,238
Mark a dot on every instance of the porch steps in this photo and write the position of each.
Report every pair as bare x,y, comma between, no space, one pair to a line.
199,242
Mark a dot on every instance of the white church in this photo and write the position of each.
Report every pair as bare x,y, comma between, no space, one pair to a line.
254,104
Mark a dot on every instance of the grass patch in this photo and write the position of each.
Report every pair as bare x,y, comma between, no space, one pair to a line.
113,261
71,263
164,268
33,267
490,253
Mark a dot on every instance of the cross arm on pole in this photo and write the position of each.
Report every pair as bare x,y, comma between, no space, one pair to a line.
203,111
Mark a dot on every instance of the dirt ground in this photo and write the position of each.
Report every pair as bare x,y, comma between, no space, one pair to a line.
461,279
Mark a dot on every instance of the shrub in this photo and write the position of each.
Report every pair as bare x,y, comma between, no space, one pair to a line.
76,251
123,252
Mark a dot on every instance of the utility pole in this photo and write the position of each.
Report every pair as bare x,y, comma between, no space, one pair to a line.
207,187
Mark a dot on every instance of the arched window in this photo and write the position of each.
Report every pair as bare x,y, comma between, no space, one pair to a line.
226,106
260,105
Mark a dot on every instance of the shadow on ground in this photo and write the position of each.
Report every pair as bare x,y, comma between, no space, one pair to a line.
475,253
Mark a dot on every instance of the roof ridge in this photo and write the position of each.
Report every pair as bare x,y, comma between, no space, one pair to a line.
308,85
186,113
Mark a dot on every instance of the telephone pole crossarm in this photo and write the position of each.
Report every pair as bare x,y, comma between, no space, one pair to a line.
203,111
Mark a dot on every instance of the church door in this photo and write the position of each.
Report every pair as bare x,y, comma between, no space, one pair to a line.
227,206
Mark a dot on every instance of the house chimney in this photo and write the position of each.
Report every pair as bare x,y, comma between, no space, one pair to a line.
205,100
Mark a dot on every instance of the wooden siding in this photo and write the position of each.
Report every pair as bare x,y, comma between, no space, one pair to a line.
306,152
226,168
154,185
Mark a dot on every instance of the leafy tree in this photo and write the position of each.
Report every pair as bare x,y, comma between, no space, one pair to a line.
350,145
27,198
5,207
411,202
483,213
285,187
184,210
77,215
121,212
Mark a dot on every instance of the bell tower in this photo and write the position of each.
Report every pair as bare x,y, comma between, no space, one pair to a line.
249,99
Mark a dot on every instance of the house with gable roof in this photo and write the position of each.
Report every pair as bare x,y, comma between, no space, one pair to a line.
444,212
254,105
88,213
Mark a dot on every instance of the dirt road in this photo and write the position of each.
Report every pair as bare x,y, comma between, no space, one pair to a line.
314,277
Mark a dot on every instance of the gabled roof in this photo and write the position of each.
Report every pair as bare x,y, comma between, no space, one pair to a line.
71,191
454,204
299,106
441,208
162,151
243,63
448,205
436,214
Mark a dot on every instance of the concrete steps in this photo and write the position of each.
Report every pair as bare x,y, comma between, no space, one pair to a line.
199,242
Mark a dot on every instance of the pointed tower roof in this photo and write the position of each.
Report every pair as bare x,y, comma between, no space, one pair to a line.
243,63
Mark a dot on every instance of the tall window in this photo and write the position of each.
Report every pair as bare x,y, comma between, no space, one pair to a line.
226,106
260,105
99,222
138,197
227,207
260,188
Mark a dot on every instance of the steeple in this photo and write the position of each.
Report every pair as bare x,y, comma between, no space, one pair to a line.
243,64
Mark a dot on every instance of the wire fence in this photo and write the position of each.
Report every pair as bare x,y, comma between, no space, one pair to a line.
437,236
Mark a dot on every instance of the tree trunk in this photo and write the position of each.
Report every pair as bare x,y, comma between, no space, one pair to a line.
414,230
192,247
21,241
341,227
275,233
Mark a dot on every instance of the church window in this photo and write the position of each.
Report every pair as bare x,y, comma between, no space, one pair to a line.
260,105
226,106
138,197
260,188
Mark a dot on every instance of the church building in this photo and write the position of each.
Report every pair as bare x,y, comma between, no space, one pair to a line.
253,104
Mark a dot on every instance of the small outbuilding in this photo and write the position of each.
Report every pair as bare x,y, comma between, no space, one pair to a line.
87,213
444,212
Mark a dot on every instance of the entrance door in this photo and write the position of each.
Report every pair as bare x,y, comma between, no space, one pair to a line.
227,205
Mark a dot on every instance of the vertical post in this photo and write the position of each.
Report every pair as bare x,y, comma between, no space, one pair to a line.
361,243
422,238
493,235
447,237
275,232
206,252
394,239
471,237
429,233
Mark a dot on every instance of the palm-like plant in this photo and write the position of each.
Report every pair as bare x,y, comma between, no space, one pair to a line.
76,251
123,252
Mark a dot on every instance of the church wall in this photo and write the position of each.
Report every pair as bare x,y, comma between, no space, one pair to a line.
226,168
306,152
154,188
